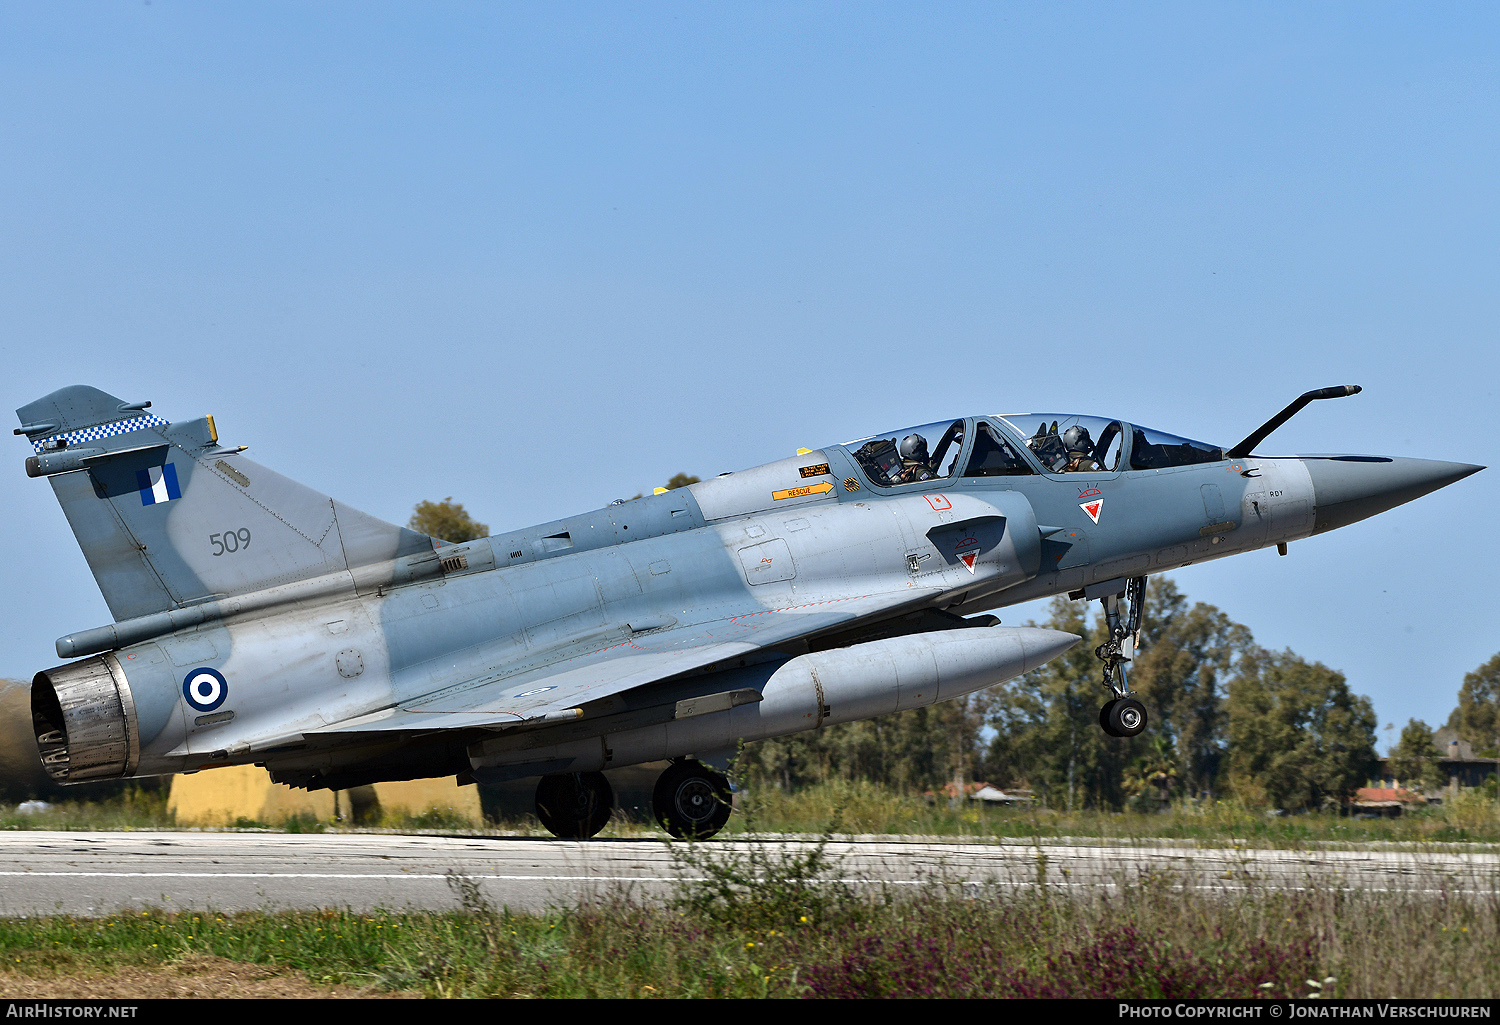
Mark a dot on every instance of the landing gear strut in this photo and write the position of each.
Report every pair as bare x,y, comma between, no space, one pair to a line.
574,805
1122,715
691,800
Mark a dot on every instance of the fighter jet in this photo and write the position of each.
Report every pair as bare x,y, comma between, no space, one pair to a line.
258,621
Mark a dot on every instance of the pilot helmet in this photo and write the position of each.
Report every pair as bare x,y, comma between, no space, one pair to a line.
914,447
1076,439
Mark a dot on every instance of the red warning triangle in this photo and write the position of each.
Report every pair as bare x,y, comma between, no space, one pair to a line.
1093,508
967,558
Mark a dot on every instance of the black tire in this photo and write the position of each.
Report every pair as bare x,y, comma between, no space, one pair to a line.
691,801
574,805
1127,717
1109,706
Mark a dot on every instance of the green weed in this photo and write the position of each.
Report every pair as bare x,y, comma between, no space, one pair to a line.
774,938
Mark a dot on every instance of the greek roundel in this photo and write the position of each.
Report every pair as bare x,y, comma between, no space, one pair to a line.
205,689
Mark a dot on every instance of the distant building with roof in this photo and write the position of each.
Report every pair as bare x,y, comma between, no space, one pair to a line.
1460,766
1387,801
982,793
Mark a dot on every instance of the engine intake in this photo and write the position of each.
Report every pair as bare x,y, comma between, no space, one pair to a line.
85,721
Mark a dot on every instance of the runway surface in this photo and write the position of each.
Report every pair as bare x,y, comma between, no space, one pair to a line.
101,873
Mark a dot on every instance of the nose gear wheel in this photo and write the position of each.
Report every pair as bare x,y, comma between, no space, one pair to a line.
1122,715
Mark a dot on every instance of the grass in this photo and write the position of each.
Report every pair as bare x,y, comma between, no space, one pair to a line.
867,809
762,920
133,808
863,808
787,935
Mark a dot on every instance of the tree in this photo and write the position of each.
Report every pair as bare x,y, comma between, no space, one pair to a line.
1298,738
1414,760
678,480
1186,654
1046,724
920,748
1283,729
446,520
1152,780
1477,717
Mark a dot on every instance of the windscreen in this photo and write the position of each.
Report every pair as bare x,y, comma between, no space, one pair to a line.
1154,450
995,455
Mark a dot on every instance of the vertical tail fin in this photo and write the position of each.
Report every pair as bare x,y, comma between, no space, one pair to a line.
168,517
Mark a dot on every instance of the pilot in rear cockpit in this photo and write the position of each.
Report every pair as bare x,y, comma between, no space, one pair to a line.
1080,448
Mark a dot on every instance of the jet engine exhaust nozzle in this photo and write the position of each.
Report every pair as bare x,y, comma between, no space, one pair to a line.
85,723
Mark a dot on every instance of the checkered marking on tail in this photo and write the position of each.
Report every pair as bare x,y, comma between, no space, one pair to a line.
99,431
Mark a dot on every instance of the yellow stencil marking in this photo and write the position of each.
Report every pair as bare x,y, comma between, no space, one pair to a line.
821,488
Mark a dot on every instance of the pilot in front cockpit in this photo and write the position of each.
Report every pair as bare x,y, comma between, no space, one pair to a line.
915,464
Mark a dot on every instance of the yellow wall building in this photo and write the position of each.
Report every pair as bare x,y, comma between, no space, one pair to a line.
220,797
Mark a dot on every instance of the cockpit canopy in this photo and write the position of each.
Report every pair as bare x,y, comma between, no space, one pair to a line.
1071,444
912,455
1152,450
1056,443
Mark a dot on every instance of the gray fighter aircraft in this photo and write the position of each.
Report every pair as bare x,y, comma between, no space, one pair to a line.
257,621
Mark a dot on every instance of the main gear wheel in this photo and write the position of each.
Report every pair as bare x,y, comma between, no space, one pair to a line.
691,801
574,805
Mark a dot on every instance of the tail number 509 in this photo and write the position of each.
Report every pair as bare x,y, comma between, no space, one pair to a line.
230,541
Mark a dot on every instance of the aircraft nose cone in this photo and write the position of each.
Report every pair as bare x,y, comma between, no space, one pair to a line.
1042,645
1350,488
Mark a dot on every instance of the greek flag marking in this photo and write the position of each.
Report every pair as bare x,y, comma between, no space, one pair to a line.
158,484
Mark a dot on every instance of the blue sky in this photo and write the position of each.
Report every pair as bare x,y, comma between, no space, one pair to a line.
537,257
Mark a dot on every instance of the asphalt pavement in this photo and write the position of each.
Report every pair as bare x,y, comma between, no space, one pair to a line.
102,873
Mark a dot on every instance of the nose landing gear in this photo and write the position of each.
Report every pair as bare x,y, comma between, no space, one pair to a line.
1123,715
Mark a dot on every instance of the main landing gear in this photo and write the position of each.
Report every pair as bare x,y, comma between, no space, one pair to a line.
691,800
1122,715
574,805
